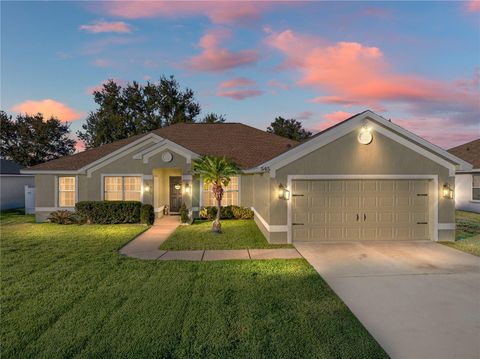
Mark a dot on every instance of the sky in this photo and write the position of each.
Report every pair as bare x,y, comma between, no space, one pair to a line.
416,63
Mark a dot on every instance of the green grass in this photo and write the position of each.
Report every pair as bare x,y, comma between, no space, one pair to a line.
236,234
467,235
67,293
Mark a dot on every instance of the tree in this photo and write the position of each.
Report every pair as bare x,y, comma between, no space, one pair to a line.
215,172
29,140
214,118
290,128
134,109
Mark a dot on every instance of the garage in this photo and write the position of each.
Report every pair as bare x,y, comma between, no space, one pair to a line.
360,209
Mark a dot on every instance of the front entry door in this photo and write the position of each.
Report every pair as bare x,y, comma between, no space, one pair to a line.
175,193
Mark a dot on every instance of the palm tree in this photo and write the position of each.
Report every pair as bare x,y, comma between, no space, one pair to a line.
215,171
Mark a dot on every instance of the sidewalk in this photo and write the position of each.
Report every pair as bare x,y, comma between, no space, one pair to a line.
145,246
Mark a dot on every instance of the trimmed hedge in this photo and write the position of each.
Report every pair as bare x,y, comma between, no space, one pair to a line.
227,212
184,216
108,212
147,214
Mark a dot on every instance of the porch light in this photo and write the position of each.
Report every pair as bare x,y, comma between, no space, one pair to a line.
177,186
447,191
365,136
188,189
146,188
283,193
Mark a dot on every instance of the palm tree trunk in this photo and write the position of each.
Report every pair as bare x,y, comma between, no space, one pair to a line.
218,193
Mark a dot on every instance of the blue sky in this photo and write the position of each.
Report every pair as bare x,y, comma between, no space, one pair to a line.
417,63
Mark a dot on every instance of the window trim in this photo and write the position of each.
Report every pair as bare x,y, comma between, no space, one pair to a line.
57,191
239,190
473,187
102,183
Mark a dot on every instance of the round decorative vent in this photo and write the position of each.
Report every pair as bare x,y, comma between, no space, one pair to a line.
167,157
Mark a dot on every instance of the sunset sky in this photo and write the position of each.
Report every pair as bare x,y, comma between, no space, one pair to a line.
417,63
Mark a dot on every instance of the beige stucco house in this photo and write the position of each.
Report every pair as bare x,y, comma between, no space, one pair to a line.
362,179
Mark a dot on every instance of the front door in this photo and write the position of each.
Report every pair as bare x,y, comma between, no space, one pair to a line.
175,193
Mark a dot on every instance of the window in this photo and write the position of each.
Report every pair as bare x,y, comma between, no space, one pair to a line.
230,196
476,187
66,191
122,188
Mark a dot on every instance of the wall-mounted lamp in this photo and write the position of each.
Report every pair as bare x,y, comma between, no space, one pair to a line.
447,191
188,189
146,188
365,135
283,193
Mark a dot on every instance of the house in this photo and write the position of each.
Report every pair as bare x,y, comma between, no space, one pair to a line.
12,185
364,178
467,182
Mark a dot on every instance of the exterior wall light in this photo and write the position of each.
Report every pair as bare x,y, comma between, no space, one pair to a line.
188,189
146,188
447,191
283,193
365,136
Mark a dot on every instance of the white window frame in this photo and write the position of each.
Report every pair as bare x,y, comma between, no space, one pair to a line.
57,192
473,187
123,175
238,191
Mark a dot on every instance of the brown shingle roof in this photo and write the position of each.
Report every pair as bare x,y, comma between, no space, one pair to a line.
469,152
246,146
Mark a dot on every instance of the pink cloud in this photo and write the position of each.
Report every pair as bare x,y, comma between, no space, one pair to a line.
98,87
237,82
101,62
305,115
351,73
220,12
215,58
473,5
105,26
332,119
48,108
278,84
239,94
443,132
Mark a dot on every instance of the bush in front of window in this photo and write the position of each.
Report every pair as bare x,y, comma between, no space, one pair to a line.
147,214
227,212
63,217
108,212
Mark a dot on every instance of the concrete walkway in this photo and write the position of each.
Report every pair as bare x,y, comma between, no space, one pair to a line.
146,246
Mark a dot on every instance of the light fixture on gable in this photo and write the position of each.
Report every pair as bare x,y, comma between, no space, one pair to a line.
283,193
447,191
365,135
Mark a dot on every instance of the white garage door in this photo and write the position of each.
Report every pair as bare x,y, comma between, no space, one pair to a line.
324,210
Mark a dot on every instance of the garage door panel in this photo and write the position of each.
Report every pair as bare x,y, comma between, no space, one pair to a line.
386,210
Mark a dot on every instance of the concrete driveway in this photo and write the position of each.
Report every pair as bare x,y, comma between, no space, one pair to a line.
418,299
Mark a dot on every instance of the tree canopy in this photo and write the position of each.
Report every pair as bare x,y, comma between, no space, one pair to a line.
29,140
134,109
290,128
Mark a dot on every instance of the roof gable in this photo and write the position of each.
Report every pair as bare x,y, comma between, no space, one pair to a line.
378,124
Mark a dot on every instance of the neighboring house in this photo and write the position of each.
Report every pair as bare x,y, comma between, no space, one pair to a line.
467,183
364,178
12,185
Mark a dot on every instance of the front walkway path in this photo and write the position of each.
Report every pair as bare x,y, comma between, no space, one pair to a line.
145,246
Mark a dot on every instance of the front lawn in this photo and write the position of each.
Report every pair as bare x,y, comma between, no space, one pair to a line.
236,234
66,292
467,235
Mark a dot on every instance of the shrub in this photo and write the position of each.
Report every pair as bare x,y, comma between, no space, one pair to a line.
62,217
184,215
147,214
227,212
242,212
109,212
